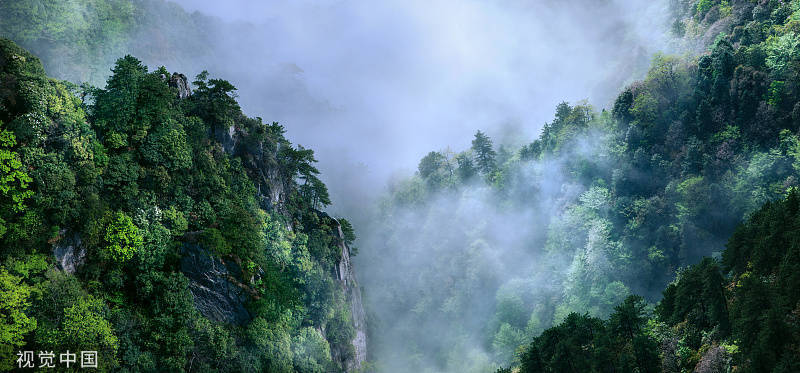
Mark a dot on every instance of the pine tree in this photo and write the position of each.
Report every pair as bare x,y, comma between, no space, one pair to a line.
483,152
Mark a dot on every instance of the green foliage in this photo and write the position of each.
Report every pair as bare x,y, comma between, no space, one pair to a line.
781,52
13,180
85,327
587,344
762,256
15,323
311,352
90,32
130,184
435,169
273,343
122,238
348,231
703,6
484,153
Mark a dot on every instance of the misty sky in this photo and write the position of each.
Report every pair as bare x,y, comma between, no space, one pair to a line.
381,83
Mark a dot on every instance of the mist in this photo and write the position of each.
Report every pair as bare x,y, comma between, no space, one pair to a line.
376,85
453,281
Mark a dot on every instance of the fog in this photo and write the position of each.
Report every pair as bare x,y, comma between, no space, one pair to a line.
446,273
374,85
455,279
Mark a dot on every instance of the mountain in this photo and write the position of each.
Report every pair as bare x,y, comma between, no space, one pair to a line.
155,223
527,245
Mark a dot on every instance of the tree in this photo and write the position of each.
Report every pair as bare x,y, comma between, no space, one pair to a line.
13,179
626,324
115,107
14,323
347,230
311,351
85,327
122,237
465,168
483,152
273,344
430,164
215,101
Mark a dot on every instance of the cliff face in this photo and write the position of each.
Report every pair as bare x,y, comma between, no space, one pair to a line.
347,279
260,160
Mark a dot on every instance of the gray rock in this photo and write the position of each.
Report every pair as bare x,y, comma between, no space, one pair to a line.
227,137
180,82
70,253
215,296
715,360
347,279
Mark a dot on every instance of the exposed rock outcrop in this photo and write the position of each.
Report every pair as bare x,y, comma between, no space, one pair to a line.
70,253
216,284
260,160
347,279
212,282
180,82
227,137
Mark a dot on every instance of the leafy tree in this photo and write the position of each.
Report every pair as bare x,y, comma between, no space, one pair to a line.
465,170
215,101
347,230
115,107
122,237
15,324
311,352
273,343
13,179
84,327
430,164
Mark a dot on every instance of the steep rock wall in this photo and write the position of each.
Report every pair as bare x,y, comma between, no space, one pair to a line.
272,193
347,279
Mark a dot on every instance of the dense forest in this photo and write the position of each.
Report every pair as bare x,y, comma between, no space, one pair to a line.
583,229
737,311
163,228
152,221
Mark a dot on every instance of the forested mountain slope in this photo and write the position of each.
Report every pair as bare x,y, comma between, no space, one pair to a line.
738,311
78,40
169,231
163,228
604,205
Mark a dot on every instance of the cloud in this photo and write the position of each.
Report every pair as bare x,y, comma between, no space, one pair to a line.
383,82
372,86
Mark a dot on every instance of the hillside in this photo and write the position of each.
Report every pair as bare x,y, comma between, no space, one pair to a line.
157,224
153,221
731,312
604,205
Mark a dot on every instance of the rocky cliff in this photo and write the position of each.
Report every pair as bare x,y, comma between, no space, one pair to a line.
347,279
260,160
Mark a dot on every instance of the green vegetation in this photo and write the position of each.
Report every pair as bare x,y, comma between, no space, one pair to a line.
92,34
642,192
737,314
639,199
120,181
